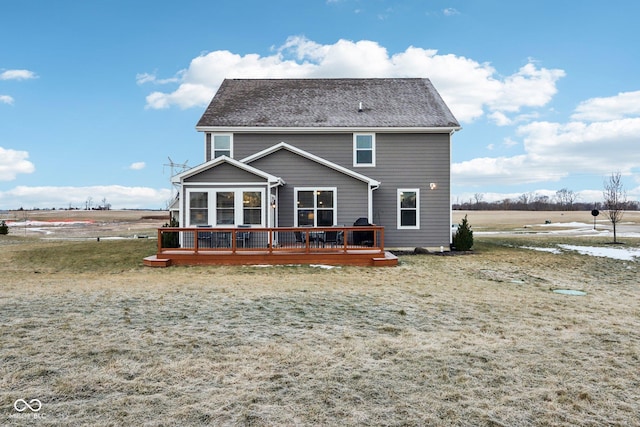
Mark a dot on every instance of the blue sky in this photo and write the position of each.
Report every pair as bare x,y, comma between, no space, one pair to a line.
96,95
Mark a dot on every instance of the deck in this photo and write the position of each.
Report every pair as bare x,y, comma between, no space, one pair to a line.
362,246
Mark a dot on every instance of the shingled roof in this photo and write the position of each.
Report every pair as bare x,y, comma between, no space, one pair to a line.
322,103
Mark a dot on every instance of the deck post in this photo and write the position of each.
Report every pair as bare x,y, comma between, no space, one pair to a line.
234,243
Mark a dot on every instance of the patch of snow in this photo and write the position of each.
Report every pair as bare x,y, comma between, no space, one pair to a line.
569,292
624,254
566,224
552,250
326,267
30,223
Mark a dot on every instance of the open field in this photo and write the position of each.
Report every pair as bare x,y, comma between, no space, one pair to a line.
472,340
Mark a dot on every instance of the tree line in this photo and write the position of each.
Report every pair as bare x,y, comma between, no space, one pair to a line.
563,200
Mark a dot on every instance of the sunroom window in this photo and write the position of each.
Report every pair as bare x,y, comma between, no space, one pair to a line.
227,207
199,208
252,207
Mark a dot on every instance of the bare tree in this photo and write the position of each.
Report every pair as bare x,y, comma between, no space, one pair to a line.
540,201
615,200
566,198
525,199
106,206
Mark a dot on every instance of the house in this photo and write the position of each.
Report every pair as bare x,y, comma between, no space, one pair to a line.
325,152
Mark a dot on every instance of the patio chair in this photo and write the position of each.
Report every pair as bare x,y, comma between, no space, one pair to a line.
242,237
300,238
333,238
223,239
205,239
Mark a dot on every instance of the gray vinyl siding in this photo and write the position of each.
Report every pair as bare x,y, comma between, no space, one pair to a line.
336,148
207,147
224,173
298,172
413,161
409,160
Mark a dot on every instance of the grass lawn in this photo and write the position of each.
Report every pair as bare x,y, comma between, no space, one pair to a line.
473,340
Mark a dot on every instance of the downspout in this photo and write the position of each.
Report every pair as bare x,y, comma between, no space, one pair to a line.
272,213
372,187
450,206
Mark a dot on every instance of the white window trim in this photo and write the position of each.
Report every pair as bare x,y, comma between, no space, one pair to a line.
417,209
315,208
238,205
213,145
373,151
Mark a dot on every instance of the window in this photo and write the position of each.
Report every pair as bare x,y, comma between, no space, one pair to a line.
364,149
316,207
409,208
221,145
226,207
198,208
252,207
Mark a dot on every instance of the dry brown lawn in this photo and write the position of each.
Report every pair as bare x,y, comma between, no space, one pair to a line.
469,340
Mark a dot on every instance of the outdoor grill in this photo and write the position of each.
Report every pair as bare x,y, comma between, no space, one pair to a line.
362,238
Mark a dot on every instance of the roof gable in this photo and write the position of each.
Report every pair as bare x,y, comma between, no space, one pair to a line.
320,103
225,160
313,157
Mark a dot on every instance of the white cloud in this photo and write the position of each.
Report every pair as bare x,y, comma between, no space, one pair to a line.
520,169
469,87
450,11
592,147
500,119
6,99
136,166
625,104
554,150
143,78
509,142
17,75
63,197
13,162
529,87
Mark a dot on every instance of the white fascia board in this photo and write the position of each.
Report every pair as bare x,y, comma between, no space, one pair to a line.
283,145
179,178
257,129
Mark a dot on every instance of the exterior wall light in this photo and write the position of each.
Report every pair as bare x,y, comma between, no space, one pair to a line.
433,185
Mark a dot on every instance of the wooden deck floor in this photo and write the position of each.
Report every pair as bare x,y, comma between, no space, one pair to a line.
358,258
255,246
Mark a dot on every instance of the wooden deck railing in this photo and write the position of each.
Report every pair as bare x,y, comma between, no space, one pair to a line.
245,240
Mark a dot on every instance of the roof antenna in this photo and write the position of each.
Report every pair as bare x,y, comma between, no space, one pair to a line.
360,107
180,167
